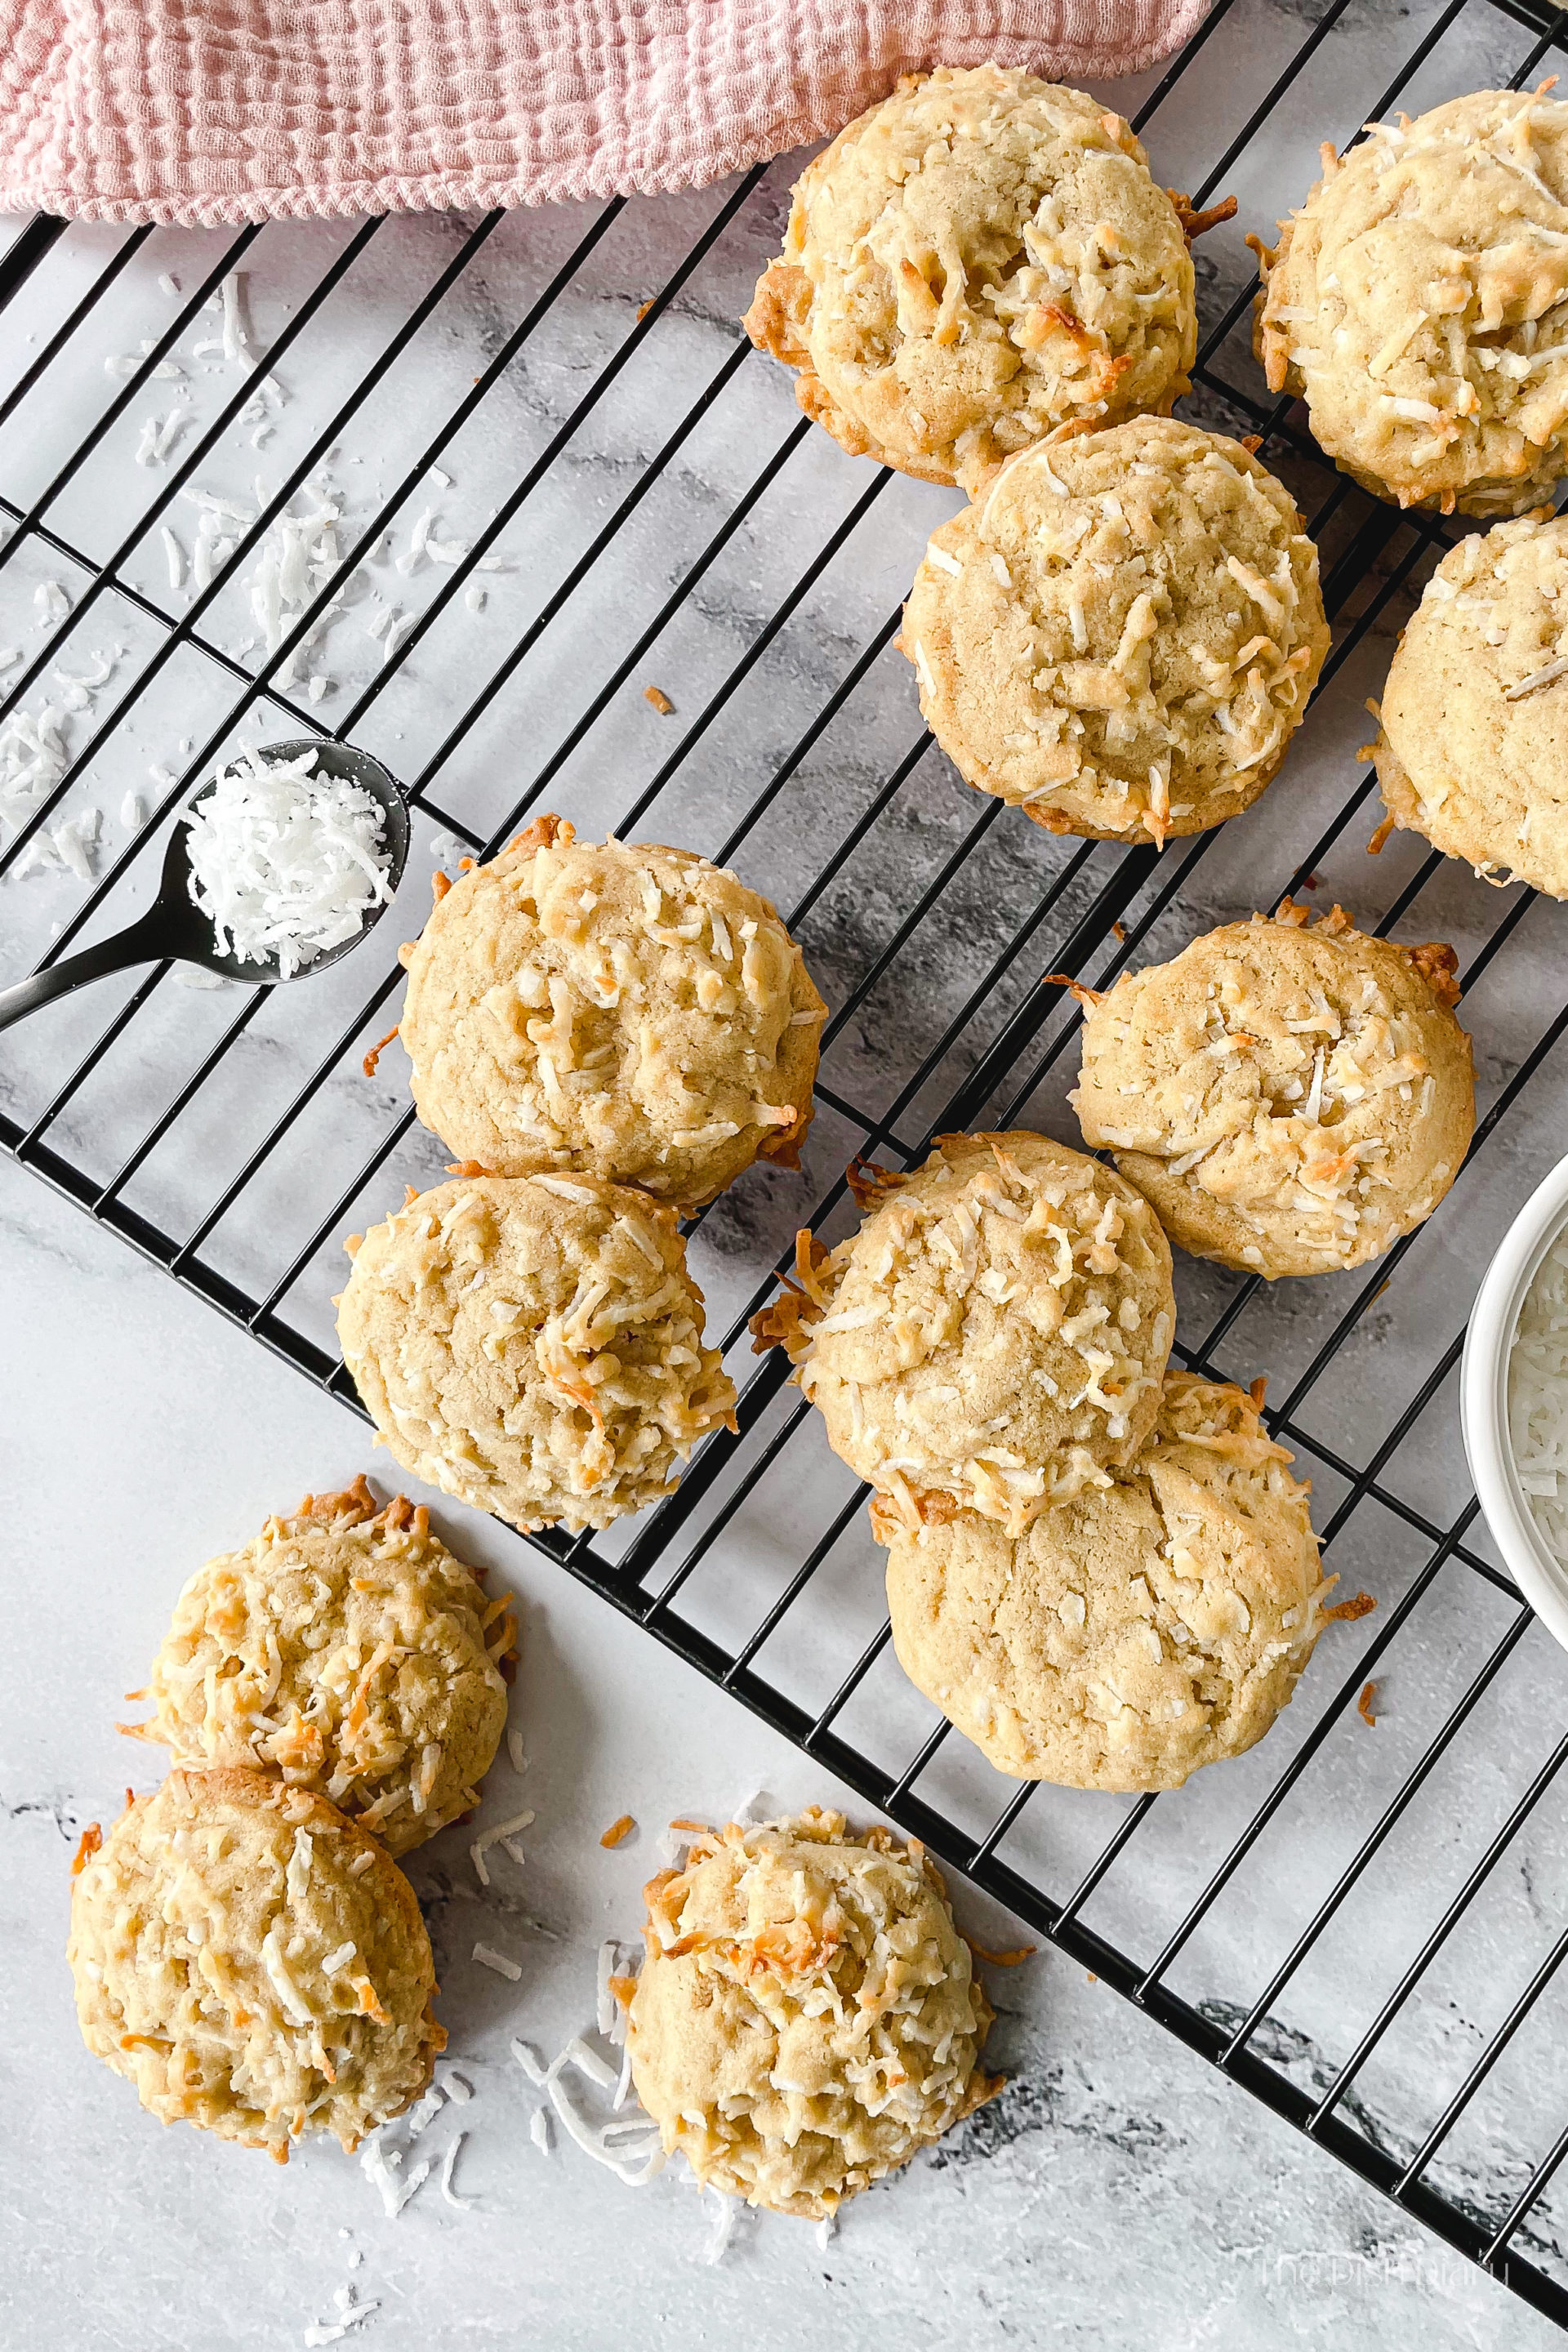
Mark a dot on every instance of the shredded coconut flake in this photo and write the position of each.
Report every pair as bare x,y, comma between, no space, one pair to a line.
382,2165
286,865
1537,1398
488,1957
1539,677
722,2229
332,2331
426,2112
463,2204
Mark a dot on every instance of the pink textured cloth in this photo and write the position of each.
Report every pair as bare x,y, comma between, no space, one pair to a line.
196,112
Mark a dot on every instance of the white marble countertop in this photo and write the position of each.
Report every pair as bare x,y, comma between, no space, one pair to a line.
1123,2196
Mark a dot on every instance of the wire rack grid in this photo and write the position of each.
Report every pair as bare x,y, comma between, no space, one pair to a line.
1363,1929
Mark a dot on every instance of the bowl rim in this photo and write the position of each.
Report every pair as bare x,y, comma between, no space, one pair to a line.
1483,1400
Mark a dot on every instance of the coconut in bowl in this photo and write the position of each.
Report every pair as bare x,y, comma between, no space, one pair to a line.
1513,1400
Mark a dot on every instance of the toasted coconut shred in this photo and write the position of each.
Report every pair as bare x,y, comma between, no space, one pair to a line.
200,1937
1289,1096
1418,302
286,863
534,1346
807,2017
993,1336
345,1649
1120,636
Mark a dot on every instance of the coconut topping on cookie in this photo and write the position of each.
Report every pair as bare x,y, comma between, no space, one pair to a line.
1134,1634
630,1012
981,257
1418,302
534,1345
1289,1096
346,1650
253,1962
992,1337
807,2016
1474,718
1121,634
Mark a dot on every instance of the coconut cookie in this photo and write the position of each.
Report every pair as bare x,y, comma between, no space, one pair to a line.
1418,303
1121,634
345,1649
993,1335
253,1962
632,1013
807,2015
534,1345
1473,749
1288,1097
981,257
1129,1636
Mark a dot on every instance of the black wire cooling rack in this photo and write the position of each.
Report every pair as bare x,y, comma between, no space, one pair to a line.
1362,1926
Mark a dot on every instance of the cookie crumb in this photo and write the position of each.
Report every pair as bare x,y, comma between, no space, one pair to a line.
1362,1604
1363,1707
1375,847
618,1832
659,700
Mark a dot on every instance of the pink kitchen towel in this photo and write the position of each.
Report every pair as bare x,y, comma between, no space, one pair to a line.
196,112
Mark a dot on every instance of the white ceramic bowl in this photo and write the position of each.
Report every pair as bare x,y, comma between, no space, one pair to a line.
1483,1402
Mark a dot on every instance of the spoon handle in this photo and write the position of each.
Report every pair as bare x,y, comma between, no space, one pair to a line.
142,943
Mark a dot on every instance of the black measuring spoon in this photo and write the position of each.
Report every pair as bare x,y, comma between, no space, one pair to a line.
175,925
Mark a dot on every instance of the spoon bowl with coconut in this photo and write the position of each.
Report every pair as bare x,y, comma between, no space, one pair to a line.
276,869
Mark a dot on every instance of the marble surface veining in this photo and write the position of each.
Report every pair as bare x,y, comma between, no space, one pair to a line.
1119,2193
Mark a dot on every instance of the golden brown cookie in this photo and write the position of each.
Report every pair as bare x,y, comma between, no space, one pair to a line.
624,1010
1289,1098
979,259
344,1648
992,1337
1134,1634
534,1345
1121,634
252,1962
807,2016
1418,303
1473,749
